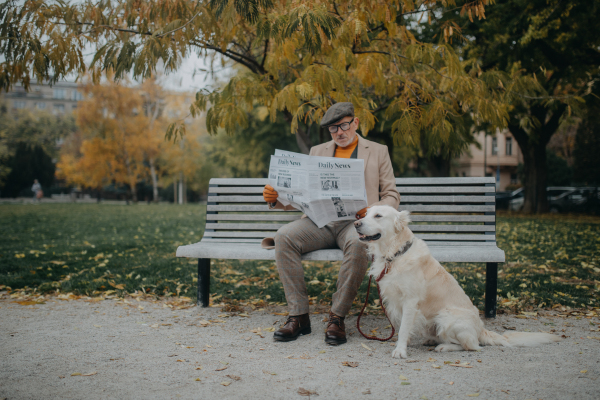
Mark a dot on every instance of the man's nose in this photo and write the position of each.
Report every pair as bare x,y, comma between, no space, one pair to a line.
357,224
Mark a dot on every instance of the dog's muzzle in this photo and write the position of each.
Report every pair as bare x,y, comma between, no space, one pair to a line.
365,238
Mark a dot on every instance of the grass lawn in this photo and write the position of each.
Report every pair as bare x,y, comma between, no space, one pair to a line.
109,250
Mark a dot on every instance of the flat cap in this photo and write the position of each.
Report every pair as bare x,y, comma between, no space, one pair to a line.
337,112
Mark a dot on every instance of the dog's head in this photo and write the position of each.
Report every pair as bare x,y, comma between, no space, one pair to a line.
381,221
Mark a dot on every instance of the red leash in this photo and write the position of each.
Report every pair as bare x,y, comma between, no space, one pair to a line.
382,306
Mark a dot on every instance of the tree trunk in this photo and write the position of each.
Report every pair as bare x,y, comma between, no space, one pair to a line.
533,146
154,181
302,137
175,191
132,182
536,179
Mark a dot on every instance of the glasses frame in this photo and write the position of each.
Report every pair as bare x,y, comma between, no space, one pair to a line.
339,126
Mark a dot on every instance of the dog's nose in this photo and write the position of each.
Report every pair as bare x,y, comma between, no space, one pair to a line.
357,224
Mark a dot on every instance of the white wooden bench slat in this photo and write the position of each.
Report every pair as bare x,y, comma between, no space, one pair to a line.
424,236
434,208
429,242
414,228
414,218
403,189
405,199
399,181
251,251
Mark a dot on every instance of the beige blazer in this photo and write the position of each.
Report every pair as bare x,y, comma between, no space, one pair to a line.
379,175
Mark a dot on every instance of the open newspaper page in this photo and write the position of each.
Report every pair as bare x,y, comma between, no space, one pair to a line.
326,189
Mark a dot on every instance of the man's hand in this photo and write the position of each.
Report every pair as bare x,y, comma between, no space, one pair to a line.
362,213
269,194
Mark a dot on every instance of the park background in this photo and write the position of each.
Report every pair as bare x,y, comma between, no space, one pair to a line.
453,88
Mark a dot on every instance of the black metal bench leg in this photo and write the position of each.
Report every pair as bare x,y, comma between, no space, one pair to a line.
204,282
491,289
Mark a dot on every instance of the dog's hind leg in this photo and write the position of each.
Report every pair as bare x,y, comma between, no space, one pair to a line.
409,312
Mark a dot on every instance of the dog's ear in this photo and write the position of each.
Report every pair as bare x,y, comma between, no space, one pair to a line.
402,220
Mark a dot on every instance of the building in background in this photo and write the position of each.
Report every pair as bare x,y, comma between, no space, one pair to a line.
500,152
58,99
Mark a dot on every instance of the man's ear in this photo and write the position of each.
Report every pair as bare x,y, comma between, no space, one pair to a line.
402,220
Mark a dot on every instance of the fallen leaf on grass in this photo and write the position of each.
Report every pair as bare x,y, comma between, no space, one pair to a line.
417,369
451,383
350,364
405,383
509,328
199,368
268,373
76,374
583,371
225,383
431,359
322,351
403,378
366,347
306,392
90,374
198,379
234,377
473,395
223,362
98,326
180,360
222,368
436,366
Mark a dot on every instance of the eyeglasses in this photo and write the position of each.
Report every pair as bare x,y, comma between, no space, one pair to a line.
334,128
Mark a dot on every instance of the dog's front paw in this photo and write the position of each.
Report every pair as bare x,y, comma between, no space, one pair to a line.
399,352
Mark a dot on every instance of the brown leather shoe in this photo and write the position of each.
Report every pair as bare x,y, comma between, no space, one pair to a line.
295,326
336,330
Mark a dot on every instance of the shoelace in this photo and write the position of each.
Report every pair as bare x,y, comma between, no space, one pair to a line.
334,319
292,319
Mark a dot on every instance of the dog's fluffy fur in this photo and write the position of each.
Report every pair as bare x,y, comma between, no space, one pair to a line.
420,295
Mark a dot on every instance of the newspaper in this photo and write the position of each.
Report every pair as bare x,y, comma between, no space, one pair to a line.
326,189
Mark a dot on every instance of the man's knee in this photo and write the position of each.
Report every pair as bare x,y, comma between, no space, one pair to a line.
285,237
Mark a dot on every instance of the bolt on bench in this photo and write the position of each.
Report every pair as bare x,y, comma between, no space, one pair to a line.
455,216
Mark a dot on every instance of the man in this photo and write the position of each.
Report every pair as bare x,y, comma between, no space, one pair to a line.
302,236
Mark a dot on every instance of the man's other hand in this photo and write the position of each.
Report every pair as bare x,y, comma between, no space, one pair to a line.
362,213
269,194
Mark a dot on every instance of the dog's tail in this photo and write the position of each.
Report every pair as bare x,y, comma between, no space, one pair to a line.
517,339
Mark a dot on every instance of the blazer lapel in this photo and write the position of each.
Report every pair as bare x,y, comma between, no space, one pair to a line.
363,150
330,149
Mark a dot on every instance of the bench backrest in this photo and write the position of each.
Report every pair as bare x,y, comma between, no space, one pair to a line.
445,211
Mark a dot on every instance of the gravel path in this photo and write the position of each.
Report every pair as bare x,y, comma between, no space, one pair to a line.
147,350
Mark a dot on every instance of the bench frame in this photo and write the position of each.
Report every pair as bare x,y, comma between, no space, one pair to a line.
491,283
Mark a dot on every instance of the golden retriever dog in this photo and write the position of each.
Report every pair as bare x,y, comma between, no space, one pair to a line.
420,295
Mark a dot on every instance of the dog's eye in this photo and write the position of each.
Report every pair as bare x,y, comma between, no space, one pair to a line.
377,216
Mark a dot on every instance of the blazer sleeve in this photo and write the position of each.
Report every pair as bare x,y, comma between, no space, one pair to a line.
388,195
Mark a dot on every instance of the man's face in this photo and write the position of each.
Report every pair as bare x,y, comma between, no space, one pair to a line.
345,138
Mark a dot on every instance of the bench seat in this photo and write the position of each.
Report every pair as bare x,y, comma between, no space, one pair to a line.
253,251
455,216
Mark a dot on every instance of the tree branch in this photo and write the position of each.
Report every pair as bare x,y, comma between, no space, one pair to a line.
401,56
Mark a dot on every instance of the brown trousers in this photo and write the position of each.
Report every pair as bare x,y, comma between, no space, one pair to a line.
302,236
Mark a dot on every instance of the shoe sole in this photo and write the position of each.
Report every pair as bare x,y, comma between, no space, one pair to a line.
305,331
335,342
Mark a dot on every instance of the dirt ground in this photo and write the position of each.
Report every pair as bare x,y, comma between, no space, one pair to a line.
146,350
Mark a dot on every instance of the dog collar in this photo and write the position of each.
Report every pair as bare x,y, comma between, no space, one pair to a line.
388,261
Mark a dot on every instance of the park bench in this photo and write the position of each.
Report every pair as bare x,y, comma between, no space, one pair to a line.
455,216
